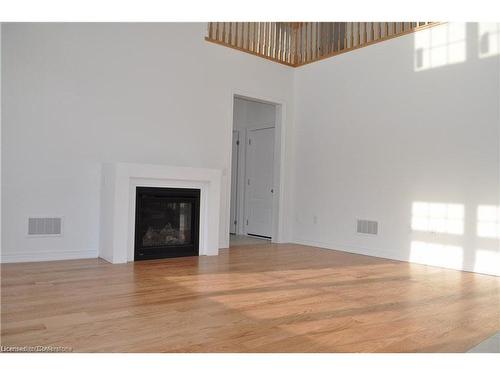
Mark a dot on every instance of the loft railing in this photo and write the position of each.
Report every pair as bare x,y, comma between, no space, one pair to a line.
300,43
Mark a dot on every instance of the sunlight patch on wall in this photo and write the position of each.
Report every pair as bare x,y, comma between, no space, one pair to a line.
440,45
489,39
488,221
435,254
438,217
487,261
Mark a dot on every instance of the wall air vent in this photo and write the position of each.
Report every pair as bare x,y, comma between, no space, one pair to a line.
367,227
44,226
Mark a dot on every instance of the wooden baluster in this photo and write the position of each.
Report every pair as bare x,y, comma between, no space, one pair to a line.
352,34
379,30
296,52
386,29
286,41
337,36
257,37
266,38
281,39
284,37
304,47
306,41
262,37
328,26
288,47
244,35
358,25
229,33
310,41
265,43
210,30
248,35
283,34
318,40
272,39
373,32
328,37
236,34
278,40
301,43
344,39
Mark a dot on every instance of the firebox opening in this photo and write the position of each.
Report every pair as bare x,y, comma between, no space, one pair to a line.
166,222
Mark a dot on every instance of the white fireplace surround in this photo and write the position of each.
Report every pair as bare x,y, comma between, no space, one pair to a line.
118,187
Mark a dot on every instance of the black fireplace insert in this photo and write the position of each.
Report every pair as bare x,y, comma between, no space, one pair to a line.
166,222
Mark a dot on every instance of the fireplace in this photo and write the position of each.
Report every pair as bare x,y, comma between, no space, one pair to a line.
166,222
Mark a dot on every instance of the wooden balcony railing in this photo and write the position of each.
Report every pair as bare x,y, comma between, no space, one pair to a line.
300,43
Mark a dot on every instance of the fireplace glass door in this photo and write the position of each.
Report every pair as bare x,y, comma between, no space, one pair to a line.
167,221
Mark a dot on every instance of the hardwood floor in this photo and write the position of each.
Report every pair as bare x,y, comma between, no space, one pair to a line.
255,298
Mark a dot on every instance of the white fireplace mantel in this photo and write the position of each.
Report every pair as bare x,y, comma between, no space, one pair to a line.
118,185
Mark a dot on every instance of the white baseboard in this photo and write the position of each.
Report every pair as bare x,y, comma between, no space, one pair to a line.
379,253
42,256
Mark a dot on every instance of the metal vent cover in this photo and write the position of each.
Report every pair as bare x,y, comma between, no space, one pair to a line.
367,227
44,226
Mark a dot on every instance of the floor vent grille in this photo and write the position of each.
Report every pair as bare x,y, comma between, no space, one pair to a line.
44,226
367,227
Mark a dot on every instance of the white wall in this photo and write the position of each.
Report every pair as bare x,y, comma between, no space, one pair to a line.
373,135
248,114
78,95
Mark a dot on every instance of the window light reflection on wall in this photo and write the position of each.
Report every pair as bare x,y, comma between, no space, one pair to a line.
488,221
440,45
438,217
489,39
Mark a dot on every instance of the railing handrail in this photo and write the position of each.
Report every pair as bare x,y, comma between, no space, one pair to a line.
299,43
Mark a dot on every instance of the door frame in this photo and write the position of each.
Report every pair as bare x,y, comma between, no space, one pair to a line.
237,197
245,185
279,163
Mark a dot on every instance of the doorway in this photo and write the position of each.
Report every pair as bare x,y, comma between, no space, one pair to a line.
252,171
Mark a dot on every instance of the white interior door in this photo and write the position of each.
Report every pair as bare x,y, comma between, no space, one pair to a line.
259,181
234,182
